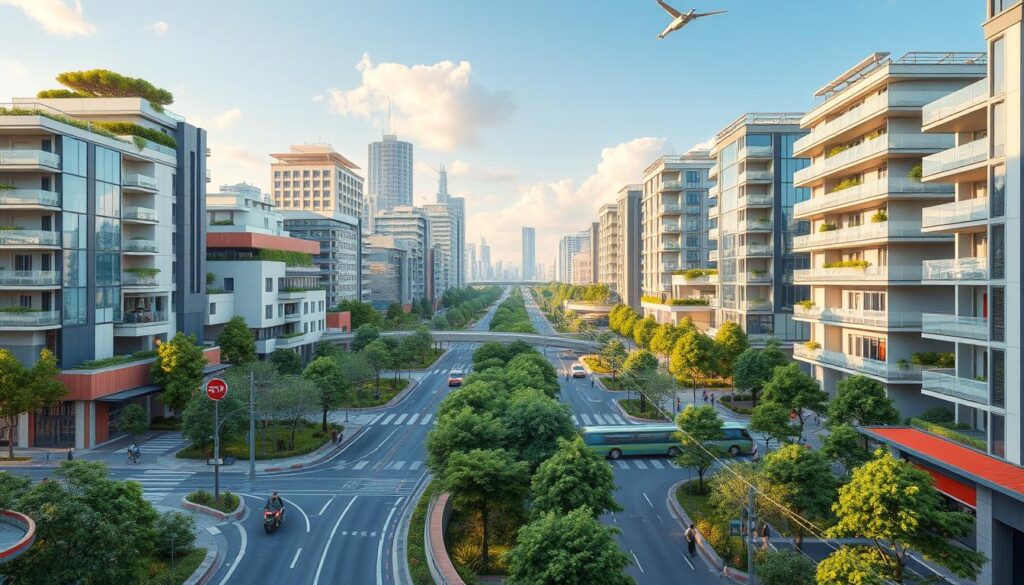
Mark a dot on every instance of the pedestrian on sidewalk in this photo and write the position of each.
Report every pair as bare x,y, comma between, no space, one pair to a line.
334,437
591,381
691,540
712,401
71,454
704,393
765,535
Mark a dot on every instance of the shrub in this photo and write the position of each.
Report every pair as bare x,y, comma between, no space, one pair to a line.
812,345
847,183
950,434
827,227
915,172
880,216
175,531
934,359
937,415
838,149
106,83
227,503
861,264
132,129
806,303
295,259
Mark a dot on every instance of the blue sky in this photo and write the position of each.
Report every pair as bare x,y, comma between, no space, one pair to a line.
558,103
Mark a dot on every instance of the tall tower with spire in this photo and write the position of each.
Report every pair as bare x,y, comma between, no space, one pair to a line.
389,183
442,186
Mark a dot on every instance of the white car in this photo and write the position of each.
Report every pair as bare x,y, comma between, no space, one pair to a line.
578,371
455,378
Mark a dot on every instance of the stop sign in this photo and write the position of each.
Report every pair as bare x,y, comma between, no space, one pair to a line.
216,389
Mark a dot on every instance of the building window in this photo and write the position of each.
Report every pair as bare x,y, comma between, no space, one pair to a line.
268,284
997,245
997,444
692,198
998,387
229,285
997,190
998,314
998,129
213,308
998,60
268,311
693,177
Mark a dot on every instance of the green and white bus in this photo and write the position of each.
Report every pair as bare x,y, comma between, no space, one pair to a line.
658,439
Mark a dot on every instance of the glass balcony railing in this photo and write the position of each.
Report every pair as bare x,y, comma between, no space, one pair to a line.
751,176
140,213
713,171
29,197
755,152
757,199
886,142
29,319
868,366
956,212
870,107
29,278
756,305
869,274
672,246
670,228
954,103
670,208
139,246
713,255
670,186
955,326
136,279
29,238
869,190
947,383
29,158
755,225
754,250
964,155
764,277
136,180
955,269
858,317
868,231
713,233
143,317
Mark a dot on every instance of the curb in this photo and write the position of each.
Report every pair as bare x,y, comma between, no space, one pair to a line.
398,398
207,569
222,516
707,553
635,418
328,455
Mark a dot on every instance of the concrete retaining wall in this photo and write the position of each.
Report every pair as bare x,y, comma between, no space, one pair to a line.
440,564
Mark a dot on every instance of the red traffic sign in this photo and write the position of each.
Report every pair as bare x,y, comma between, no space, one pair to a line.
216,389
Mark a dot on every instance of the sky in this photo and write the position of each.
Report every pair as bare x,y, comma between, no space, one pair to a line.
540,109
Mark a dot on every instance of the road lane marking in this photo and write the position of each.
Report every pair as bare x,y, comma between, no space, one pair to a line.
397,465
296,559
238,557
360,465
415,465
640,464
622,464
374,420
412,419
648,499
387,419
213,530
363,533
301,511
327,547
380,544
321,512
618,419
656,464
399,420
575,420
586,419
638,565
692,568
426,419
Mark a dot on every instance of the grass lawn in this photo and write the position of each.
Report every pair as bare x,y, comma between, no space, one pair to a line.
615,385
272,442
389,388
596,364
632,407
184,565
429,360
416,551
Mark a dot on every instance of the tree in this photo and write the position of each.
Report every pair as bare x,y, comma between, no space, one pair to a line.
179,369
845,446
359,313
797,391
394,312
478,396
357,371
852,564
534,422
805,476
197,417
699,427
643,331
771,421
133,421
485,481
365,335
106,83
785,567
176,532
614,356
461,432
664,339
894,504
287,362
292,402
326,376
420,341
574,477
750,372
439,323
569,548
730,342
24,389
638,367
693,357
377,357
861,401
237,343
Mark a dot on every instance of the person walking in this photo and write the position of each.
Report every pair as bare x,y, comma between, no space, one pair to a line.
334,437
765,535
71,454
691,540
704,394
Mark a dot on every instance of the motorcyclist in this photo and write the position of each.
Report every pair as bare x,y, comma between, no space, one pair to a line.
275,503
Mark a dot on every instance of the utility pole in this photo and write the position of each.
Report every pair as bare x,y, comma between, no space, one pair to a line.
252,426
751,536
216,451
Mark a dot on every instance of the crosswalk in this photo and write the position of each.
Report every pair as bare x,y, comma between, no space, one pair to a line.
160,445
396,418
641,464
644,464
158,484
589,420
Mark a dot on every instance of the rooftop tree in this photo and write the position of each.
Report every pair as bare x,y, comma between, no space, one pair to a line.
179,369
106,83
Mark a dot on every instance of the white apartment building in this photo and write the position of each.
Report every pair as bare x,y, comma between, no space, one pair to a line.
582,268
568,247
866,244
314,177
630,225
411,226
608,245
751,214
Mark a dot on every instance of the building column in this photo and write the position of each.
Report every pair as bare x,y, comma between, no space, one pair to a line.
23,423
91,414
80,424
984,532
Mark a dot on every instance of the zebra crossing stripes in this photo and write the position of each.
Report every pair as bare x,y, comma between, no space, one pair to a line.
412,419
598,419
387,419
160,445
426,419
400,418
158,484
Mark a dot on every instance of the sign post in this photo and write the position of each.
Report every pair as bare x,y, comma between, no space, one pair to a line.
216,390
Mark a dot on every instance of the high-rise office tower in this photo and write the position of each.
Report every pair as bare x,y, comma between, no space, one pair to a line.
471,262
630,227
568,247
458,205
411,226
447,218
389,272
485,260
390,172
754,198
529,253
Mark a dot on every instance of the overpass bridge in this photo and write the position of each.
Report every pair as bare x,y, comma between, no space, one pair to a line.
507,282
557,341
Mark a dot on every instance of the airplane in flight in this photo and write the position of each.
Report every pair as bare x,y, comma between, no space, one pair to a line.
680,19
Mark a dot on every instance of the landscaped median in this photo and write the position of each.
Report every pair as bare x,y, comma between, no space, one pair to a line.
726,554
228,507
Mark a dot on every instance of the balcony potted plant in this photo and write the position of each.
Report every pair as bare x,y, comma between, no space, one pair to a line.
812,345
827,227
806,304
915,173
880,216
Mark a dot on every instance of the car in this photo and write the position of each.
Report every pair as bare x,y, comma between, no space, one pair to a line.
455,378
578,371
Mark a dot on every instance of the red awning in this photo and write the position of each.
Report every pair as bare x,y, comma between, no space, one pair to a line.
960,461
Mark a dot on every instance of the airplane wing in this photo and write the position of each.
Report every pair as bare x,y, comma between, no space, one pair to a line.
708,13
675,13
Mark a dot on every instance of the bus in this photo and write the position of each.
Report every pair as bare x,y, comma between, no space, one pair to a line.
658,439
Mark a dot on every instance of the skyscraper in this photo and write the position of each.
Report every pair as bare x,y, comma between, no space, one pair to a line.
485,260
471,266
410,225
390,173
630,248
529,253
447,219
568,247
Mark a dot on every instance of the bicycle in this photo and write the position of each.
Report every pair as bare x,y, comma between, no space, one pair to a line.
134,458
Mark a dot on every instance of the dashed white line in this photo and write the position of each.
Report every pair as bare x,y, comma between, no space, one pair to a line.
238,557
321,512
692,568
327,547
380,545
648,500
638,565
296,559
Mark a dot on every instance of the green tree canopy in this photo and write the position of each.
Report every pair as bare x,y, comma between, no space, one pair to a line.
569,548
237,343
771,421
643,331
730,342
785,567
133,421
534,423
106,83
860,401
845,446
461,432
614,356
377,357
288,362
693,357
365,335
664,339
797,391
806,478
640,363
574,477
179,369
197,417
479,396
360,313
24,389
699,427
327,377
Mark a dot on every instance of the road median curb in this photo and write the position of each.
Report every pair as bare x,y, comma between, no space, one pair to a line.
207,569
707,553
223,516
328,454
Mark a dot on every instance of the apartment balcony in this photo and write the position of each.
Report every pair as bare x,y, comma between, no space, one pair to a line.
958,214
13,198
136,279
693,209
670,228
890,275
137,182
944,325
140,246
881,319
670,186
713,255
18,238
702,280
714,303
713,233
755,250
858,365
758,152
683,305
139,215
758,200
290,340
670,209
754,177
292,317
948,114
862,234
669,266
142,317
15,318
29,160
846,161
713,171
29,278
955,270
712,211
759,306
865,194
972,156
750,277
670,246
946,383
755,225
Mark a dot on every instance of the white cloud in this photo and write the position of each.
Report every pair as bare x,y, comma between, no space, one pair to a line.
227,118
12,69
706,145
55,16
463,169
231,163
437,106
560,207
317,98
159,28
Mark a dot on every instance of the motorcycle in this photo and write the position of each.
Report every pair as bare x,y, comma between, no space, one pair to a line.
272,519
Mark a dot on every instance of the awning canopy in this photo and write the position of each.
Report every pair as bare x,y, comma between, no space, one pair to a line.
131,393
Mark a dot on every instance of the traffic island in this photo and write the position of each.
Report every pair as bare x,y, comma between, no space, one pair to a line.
441,567
705,550
17,533
630,408
228,507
